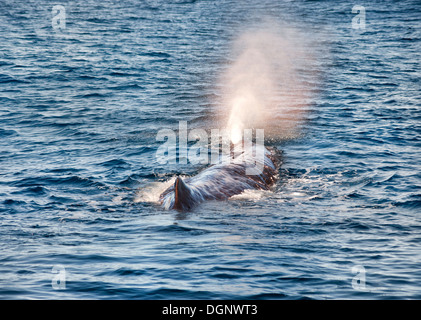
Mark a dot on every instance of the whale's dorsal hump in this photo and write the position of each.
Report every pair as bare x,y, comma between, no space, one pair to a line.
183,198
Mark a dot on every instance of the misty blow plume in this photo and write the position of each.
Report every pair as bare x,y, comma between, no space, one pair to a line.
269,83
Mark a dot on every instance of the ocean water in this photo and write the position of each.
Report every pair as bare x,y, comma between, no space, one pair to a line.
80,108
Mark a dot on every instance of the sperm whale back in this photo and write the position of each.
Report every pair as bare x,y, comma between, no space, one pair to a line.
224,180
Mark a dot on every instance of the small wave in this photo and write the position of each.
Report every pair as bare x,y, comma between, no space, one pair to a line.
354,225
72,180
13,202
127,86
7,132
115,163
409,204
125,74
130,182
178,229
123,272
268,296
157,54
36,190
93,95
8,79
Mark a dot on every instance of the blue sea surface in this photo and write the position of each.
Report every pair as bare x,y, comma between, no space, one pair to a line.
80,108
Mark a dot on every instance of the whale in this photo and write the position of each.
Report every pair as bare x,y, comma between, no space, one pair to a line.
233,174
